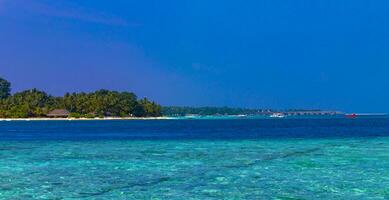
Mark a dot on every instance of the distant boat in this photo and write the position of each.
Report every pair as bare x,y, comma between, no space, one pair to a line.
277,115
353,115
192,116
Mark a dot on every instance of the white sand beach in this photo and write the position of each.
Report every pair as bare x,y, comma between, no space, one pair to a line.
85,119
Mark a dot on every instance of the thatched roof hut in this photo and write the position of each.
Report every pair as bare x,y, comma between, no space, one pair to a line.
59,113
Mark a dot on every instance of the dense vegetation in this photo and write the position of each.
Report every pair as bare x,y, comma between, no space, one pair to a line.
5,88
102,103
182,111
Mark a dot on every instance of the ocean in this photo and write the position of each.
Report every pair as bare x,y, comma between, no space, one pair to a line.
324,158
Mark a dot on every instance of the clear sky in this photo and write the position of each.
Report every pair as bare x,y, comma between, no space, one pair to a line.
327,54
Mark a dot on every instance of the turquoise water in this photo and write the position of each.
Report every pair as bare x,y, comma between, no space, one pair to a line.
116,167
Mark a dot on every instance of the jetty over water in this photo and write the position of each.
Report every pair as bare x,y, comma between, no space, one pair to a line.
310,112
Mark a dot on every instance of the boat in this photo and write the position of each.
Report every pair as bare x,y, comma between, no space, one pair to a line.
277,115
353,115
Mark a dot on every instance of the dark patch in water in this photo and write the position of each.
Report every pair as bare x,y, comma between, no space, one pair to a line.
136,184
12,148
275,157
300,153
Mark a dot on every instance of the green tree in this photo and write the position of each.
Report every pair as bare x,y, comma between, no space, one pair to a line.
29,103
5,88
19,111
151,109
139,111
35,103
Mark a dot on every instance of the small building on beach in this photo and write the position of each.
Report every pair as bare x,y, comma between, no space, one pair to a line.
58,113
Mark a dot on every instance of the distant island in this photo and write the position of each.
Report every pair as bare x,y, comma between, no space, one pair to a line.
99,104
207,111
177,111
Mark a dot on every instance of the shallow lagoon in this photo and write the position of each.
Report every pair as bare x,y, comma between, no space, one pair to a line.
207,159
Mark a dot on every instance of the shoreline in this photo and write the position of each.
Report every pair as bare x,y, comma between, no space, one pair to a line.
85,119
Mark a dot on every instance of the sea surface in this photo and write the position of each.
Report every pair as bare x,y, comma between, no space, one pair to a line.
196,159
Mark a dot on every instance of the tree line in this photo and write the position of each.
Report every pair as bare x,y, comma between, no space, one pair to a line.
101,103
182,111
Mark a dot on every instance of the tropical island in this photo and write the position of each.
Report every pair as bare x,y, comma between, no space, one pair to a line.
106,104
34,103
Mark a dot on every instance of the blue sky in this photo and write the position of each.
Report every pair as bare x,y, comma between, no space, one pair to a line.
331,54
